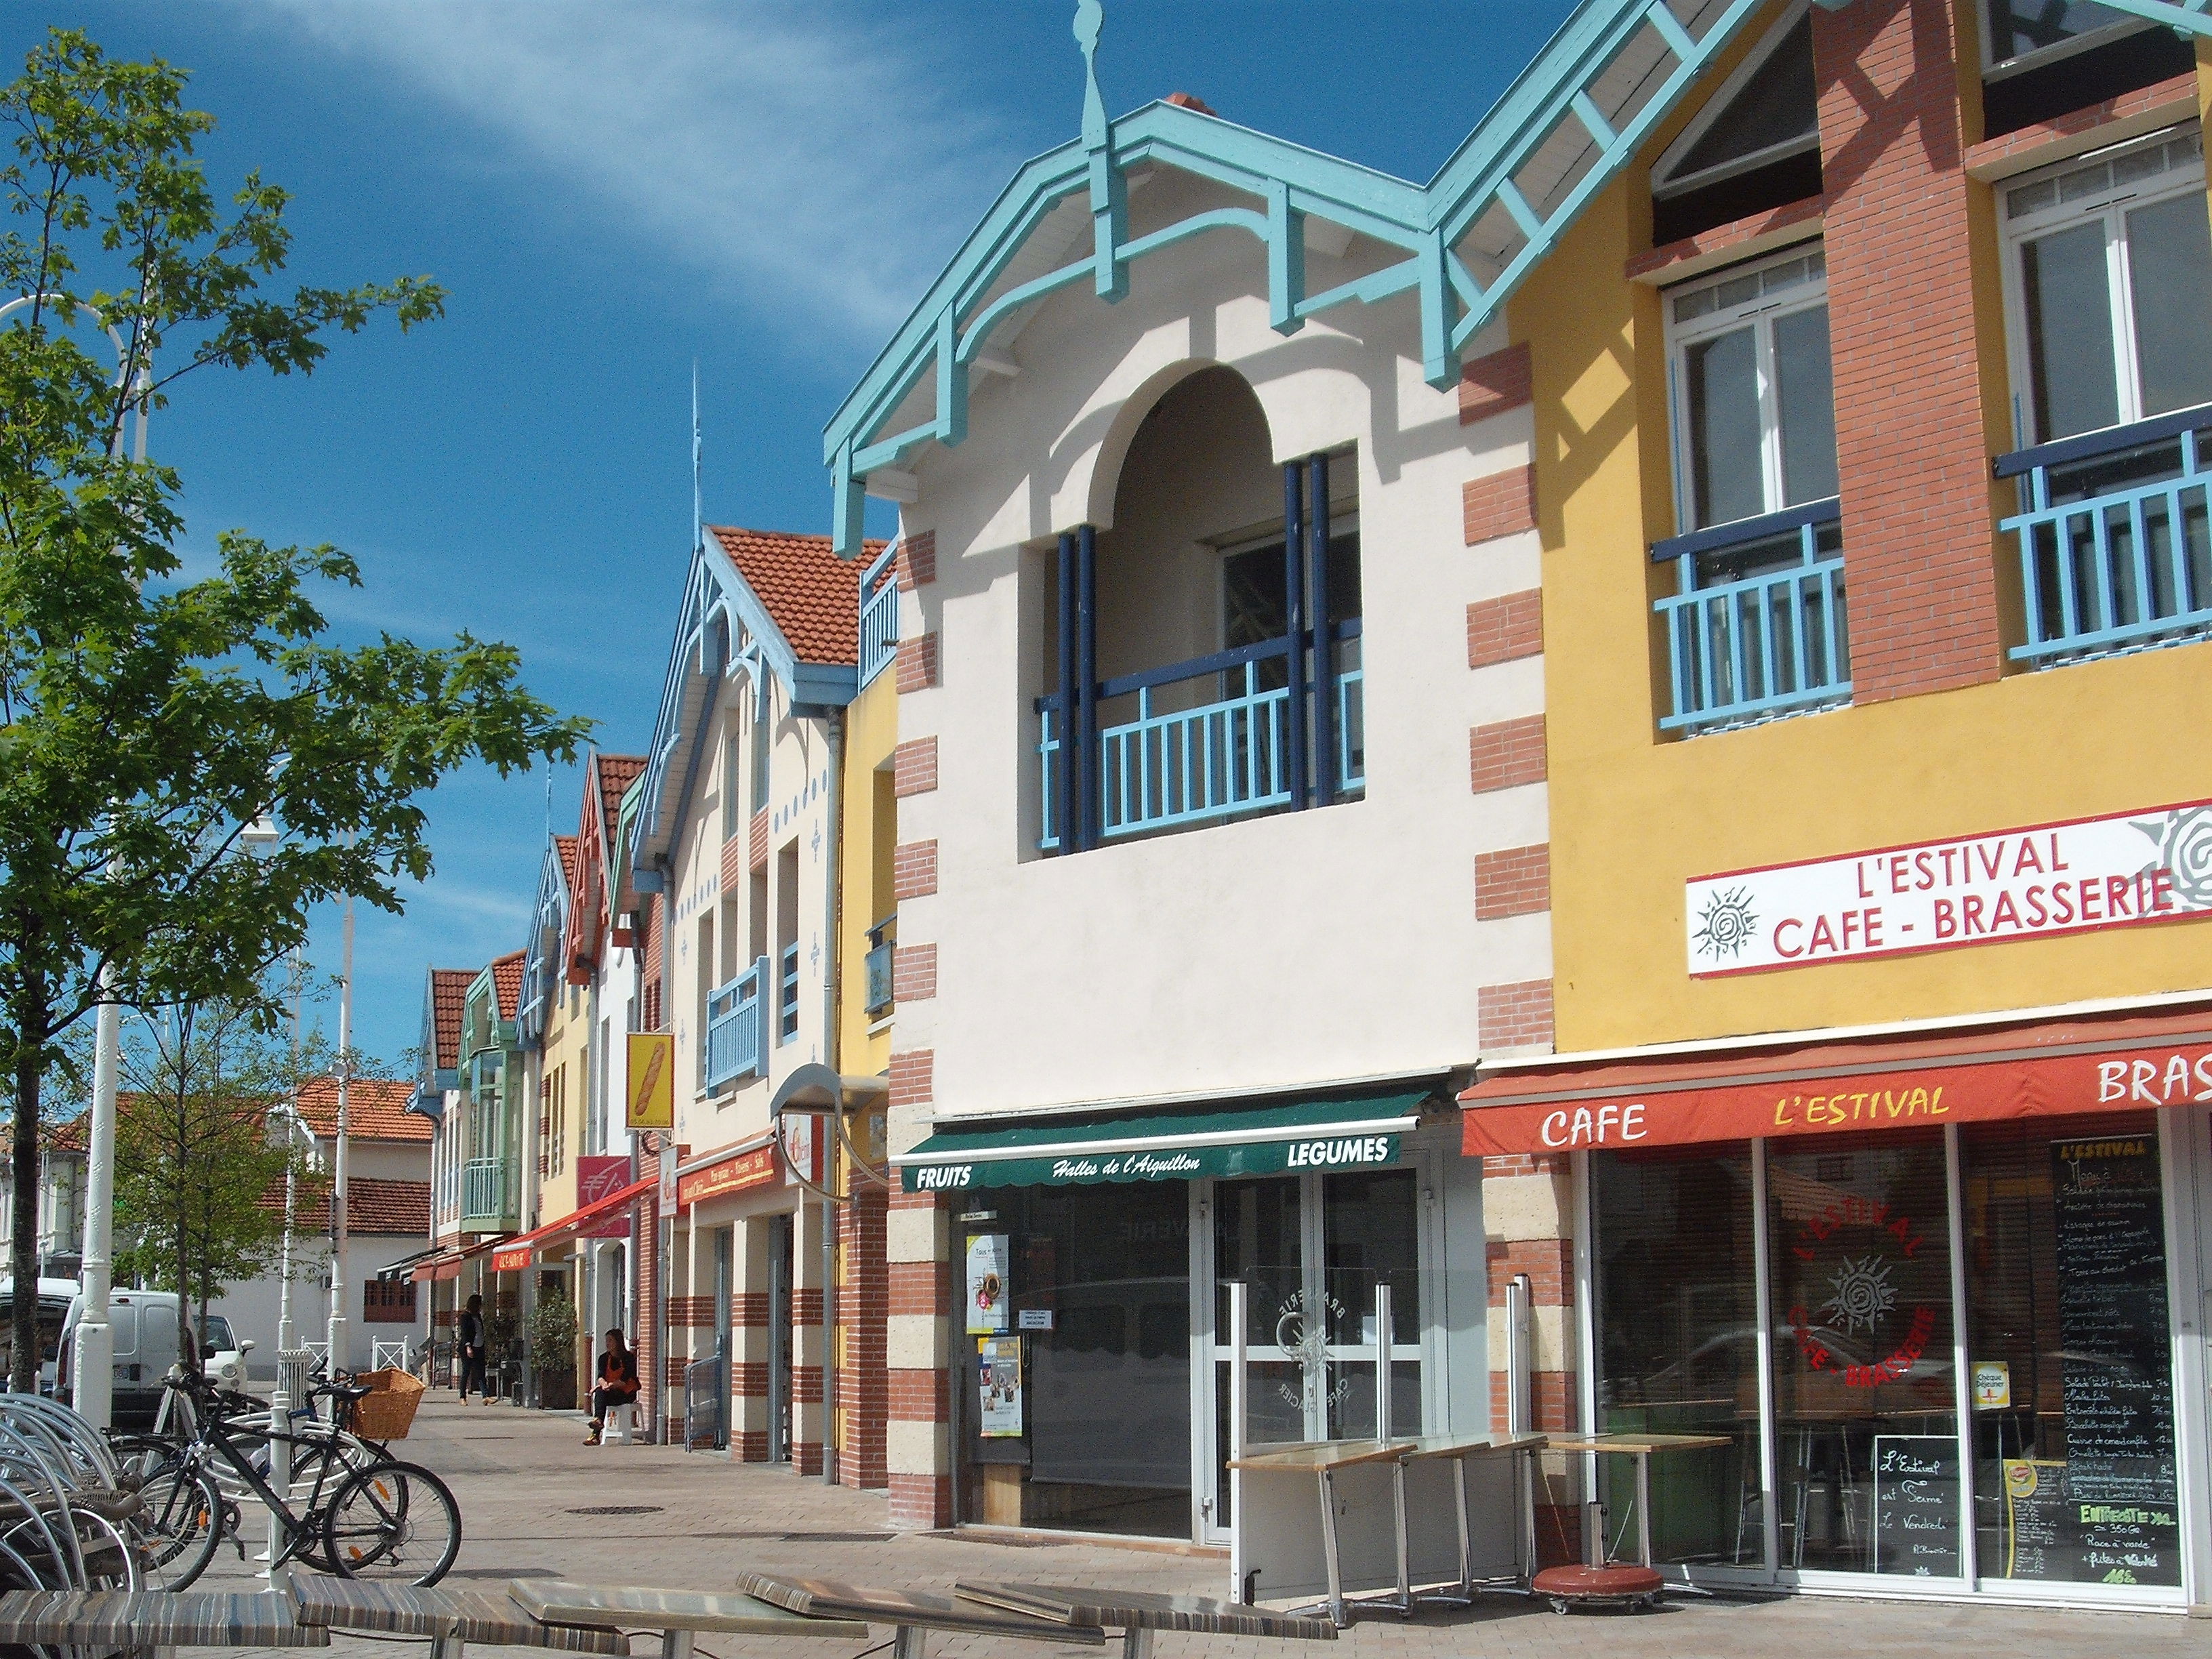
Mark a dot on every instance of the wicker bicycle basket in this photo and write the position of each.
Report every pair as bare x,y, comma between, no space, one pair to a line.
386,1411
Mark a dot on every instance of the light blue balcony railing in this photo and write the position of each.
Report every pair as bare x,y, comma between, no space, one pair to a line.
879,615
489,1195
1176,762
787,1001
879,965
737,1028
2115,537
1760,626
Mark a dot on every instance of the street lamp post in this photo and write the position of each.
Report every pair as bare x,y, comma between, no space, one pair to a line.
94,1364
336,1331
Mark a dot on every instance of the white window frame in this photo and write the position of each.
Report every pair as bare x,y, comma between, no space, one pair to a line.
1762,310
1666,182
2110,206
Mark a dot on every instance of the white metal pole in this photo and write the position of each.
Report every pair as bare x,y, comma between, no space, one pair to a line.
336,1330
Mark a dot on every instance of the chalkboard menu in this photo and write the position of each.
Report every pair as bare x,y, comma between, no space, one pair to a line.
1915,1505
2051,1533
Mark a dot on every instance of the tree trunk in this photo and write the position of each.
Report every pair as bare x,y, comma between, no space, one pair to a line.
30,1046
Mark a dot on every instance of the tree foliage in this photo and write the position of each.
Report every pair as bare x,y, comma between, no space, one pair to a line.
149,713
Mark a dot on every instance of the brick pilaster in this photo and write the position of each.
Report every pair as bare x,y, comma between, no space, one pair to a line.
913,766
914,870
863,1305
918,1337
1498,504
1514,881
1505,629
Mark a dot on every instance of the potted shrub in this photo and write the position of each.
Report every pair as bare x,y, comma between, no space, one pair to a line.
553,1351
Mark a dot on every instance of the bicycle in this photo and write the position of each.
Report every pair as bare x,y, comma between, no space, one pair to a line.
390,1520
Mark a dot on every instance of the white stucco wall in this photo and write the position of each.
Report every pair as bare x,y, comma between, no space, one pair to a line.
1303,948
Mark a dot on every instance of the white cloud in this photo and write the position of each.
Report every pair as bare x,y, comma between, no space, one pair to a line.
810,156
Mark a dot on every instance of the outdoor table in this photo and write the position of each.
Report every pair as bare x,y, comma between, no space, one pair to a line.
678,1614
1642,1448
1325,1460
1456,1450
452,1619
911,1614
136,1620
1138,1613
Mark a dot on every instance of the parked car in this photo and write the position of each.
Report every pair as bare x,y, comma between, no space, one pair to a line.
145,1327
55,1296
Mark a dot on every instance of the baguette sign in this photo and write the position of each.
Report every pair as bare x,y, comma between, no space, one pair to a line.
2124,871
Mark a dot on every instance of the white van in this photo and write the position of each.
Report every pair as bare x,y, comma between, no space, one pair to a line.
55,1296
145,1327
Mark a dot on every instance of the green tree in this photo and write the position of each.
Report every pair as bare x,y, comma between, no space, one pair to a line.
148,714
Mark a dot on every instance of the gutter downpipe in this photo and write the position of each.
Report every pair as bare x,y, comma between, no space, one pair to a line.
832,891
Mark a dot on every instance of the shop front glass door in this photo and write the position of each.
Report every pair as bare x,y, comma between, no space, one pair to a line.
1310,1251
1868,1475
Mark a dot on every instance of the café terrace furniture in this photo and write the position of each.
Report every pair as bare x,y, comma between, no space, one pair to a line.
678,1614
1325,1460
1457,1450
1138,1613
152,1622
911,1614
1642,1448
450,1618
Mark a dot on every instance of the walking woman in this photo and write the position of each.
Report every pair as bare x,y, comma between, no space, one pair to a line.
473,1350
616,1383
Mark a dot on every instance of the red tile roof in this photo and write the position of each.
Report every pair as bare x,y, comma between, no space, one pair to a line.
566,847
374,1206
616,773
812,594
372,1110
449,996
507,982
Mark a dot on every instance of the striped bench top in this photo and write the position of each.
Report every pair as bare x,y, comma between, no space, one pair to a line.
636,1607
148,1618
917,1609
408,1610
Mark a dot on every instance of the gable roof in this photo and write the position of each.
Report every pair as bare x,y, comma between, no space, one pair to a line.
449,996
1463,242
507,982
375,1110
566,847
812,596
374,1205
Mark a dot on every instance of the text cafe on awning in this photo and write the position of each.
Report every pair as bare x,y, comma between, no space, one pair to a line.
1090,1388
1931,1302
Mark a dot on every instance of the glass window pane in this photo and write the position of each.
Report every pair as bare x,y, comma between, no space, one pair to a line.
2020,27
2069,343
1722,382
2170,269
1804,389
1369,1237
1678,1344
2069,1331
1255,1239
1866,1423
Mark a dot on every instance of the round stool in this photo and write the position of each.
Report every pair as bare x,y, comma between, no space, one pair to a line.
1617,1584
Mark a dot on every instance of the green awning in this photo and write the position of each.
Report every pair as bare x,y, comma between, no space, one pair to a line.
1276,1137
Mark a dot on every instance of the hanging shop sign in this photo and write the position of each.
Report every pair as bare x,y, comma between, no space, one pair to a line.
2126,869
1829,1090
512,1259
1179,1163
650,1095
756,1168
597,1179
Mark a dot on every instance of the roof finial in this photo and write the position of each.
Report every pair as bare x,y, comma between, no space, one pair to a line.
1089,20
698,517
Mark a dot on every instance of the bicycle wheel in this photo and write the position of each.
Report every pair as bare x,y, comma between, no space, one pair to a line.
177,1534
396,1522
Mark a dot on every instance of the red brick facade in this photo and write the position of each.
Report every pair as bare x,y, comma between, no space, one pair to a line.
757,841
1506,755
914,870
863,1305
917,664
1516,1016
917,560
1506,629
916,1395
1498,504
913,1077
1490,386
913,973
913,766
1516,881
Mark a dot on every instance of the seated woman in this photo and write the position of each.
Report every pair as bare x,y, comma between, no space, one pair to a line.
617,1382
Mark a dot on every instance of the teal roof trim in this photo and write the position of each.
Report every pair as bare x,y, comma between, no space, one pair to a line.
1589,94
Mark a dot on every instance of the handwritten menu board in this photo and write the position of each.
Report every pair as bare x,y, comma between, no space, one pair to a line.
2116,1376
1915,1505
2051,1533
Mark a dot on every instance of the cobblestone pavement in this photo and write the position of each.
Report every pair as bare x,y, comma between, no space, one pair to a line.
522,1478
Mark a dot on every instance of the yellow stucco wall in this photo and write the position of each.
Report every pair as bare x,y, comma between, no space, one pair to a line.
864,868
1634,814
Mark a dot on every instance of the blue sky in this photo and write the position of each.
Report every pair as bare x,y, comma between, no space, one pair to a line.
611,191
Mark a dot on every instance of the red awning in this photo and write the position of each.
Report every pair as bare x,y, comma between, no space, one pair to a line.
446,1264
2105,1063
517,1254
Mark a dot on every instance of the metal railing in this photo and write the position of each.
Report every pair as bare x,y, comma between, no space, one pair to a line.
488,1191
735,1031
2115,535
787,1001
1773,640
1168,767
878,964
880,614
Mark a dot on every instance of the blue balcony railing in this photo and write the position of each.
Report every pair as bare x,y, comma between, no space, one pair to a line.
1759,627
788,999
489,1195
879,965
880,614
1179,759
2115,535
737,1028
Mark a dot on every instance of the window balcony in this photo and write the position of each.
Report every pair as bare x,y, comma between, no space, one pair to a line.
788,998
1757,627
2114,546
737,1028
879,615
878,964
490,1195
1177,758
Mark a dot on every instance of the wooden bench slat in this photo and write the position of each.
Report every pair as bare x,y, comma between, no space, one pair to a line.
155,1619
640,1607
439,1610
1128,1609
917,1609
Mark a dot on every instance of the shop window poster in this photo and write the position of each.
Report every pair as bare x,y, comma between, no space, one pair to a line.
988,1303
999,1369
